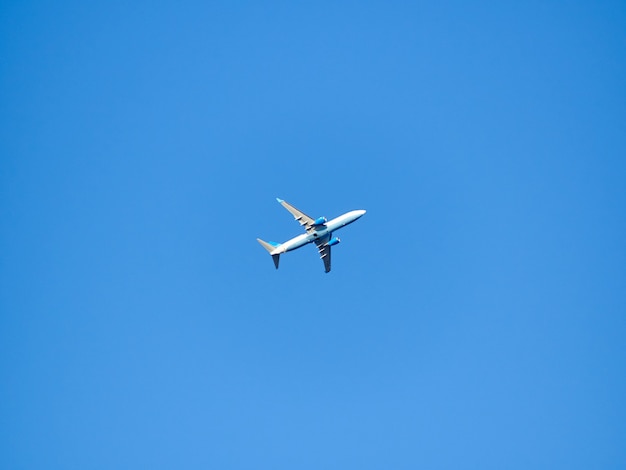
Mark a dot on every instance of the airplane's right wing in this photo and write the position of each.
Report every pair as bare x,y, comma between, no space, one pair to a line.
307,222
324,248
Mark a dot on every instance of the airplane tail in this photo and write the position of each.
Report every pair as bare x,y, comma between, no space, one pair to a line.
271,246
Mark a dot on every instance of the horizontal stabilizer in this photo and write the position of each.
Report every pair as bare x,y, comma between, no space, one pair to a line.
269,246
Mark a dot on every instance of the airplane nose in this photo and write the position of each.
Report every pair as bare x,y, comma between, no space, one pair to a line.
361,212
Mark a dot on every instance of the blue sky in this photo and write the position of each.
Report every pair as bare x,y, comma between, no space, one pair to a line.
475,316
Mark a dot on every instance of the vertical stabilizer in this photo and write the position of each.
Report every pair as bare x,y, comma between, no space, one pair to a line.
271,247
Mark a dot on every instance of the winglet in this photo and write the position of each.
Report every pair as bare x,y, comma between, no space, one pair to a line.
280,200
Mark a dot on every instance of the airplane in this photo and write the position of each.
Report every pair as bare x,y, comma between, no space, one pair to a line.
318,231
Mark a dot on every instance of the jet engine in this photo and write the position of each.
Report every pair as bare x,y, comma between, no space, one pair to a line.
333,241
320,221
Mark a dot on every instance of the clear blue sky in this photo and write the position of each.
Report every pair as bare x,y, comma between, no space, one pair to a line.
475,317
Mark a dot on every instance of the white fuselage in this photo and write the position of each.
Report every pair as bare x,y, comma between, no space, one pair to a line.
321,231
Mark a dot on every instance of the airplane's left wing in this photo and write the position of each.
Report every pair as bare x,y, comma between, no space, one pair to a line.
307,222
324,248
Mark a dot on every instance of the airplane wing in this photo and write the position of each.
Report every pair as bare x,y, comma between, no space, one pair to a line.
307,222
324,249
